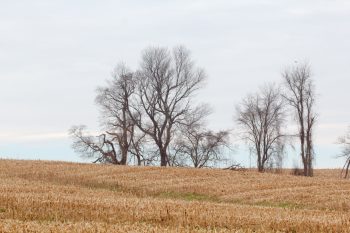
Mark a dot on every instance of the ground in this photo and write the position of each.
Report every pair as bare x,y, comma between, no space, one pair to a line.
38,196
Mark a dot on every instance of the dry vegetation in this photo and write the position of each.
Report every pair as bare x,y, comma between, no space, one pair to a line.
67,197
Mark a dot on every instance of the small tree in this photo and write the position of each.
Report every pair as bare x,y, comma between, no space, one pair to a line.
300,95
202,147
101,147
345,142
260,117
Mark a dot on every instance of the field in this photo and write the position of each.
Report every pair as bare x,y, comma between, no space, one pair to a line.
37,196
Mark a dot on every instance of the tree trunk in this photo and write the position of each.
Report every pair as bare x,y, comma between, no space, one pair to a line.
305,168
124,156
347,169
309,165
309,153
163,158
138,160
302,151
260,163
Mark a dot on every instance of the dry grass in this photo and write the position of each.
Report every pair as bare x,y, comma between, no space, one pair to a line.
67,197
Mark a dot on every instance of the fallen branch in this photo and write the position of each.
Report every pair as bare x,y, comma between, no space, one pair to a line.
235,167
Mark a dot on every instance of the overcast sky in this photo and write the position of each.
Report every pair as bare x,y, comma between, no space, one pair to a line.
53,55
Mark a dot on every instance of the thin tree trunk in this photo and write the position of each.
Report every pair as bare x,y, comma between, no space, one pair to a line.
305,168
347,169
260,163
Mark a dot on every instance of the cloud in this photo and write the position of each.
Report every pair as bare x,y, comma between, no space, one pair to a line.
25,136
324,7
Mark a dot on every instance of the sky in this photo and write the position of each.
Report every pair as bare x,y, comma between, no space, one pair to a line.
53,55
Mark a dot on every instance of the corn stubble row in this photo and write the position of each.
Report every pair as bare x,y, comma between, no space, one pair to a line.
65,197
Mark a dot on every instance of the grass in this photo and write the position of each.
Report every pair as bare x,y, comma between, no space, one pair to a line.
188,196
284,205
39,196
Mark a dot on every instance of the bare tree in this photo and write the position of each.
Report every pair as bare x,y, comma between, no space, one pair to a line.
112,100
196,144
301,97
166,83
100,147
260,117
203,147
345,142
115,144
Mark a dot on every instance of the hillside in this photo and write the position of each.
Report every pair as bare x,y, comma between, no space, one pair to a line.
37,196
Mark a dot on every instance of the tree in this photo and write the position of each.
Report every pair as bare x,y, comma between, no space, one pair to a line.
299,94
345,142
100,147
166,83
202,147
116,142
260,117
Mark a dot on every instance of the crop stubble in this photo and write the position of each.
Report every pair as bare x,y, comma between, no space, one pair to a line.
38,196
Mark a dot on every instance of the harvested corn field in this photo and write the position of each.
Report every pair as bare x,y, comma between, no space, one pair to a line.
37,196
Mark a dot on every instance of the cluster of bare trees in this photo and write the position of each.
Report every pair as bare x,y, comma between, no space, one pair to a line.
149,114
262,119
